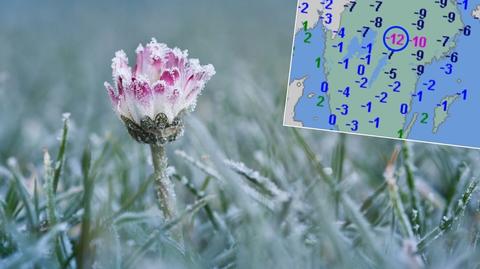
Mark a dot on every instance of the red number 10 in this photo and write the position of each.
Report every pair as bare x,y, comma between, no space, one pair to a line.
420,41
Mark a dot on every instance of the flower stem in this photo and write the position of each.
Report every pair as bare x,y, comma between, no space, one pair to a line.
163,185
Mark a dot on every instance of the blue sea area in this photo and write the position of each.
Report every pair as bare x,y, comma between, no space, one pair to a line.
461,127
304,65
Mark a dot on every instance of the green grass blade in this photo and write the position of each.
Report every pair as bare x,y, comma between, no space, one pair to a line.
36,199
129,203
338,161
35,252
140,251
263,184
12,201
61,153
49,187
204,168
83,250
319,167
447,223
460,173
397,204
416,214
198,195
25,198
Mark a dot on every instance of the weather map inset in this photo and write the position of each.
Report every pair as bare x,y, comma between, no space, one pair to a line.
398,69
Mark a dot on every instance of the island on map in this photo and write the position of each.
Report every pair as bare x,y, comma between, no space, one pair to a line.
295,91
441,111
476,12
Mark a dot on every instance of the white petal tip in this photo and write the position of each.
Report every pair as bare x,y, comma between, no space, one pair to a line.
139,49
66,116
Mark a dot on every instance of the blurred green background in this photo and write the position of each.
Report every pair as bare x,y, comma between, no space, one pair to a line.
55,56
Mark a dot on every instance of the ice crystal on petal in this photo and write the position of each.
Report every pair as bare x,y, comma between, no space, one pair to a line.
164,84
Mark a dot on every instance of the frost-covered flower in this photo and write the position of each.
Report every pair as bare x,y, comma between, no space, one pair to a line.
152,98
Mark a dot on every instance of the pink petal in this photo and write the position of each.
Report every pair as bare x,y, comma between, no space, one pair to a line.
143,55
120,86
157,50
168,77
189,80
113,97
197,81
193,93
176,59
175,73
157,65
120,66
150,60
175,78
138,66
174,96
141,91
159,88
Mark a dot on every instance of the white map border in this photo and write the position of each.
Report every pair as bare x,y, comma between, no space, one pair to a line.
341,132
